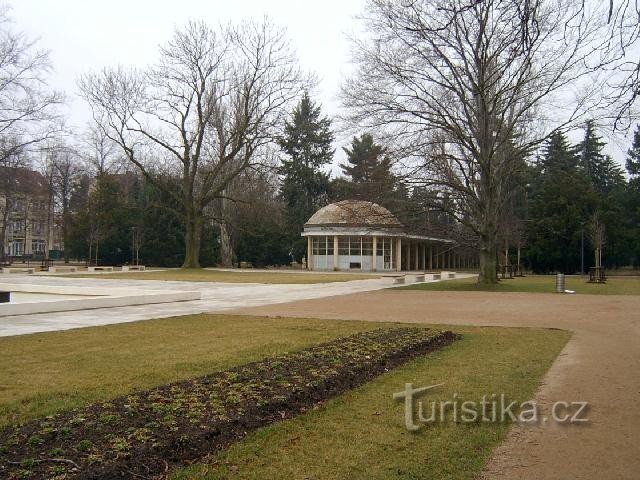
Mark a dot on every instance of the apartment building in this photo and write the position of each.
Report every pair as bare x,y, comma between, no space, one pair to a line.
27,220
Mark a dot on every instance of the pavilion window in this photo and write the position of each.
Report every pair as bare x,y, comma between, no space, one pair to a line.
367,246
323,245
387,251
355,246
343,245
319,246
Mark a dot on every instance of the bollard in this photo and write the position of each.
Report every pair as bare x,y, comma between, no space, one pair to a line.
560,283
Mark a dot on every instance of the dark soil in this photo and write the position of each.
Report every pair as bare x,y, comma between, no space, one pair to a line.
144,434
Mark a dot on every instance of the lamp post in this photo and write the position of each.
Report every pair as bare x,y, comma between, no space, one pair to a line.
133,244
582,252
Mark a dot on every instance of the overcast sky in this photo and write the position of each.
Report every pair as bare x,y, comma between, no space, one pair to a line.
84,35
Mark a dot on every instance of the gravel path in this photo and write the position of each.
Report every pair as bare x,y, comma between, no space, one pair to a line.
600,365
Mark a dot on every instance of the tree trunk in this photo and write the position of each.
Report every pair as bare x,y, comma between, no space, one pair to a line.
192,241
488,264
226,250
65,235
3,231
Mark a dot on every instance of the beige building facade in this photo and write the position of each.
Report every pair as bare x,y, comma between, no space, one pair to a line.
26,217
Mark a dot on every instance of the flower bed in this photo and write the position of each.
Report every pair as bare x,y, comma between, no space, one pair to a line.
142,435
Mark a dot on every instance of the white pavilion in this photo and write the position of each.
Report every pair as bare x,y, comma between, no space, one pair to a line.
364,236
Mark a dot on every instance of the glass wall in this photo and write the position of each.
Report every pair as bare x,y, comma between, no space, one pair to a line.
354,253
322,249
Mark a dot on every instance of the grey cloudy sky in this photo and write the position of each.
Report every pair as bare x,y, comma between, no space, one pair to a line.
85,35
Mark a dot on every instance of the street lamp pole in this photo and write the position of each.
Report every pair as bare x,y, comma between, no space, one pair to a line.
582,253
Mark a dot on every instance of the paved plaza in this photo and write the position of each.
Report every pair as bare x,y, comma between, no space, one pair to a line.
215,297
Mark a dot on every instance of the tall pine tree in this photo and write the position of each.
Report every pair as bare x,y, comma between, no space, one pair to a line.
561,204
307,144
608,182
633,156
632,199
602,171
368,170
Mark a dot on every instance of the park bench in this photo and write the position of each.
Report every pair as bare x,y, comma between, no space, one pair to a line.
100,269
506,271
434,275
133,268
62,268
28,270
451,274
420,277
398,279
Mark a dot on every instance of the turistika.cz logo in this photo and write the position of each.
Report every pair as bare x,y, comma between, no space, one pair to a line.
494,408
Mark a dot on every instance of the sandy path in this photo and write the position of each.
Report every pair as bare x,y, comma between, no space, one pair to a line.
600,365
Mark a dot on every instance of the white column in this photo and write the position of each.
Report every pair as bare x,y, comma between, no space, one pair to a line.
309,253
398,254
416,262
374,254
335,252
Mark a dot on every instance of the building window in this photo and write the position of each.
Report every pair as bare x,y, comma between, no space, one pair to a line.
17,226
384,250
343,245
322,245
37,246
355,246
37,228
17,248
367,246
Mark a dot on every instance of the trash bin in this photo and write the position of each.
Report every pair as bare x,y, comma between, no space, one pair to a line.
560,283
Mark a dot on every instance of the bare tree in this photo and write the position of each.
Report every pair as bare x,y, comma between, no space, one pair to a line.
99,152
598,237
457,86
29,111
11,161
202,113
622,53
66,172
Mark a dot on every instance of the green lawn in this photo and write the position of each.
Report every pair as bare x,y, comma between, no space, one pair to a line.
202,275
536,284
361,435
357,435
47,372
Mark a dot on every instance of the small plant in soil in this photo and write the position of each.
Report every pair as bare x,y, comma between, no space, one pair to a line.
144,434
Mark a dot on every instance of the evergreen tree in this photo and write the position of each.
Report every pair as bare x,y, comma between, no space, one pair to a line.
601,170
307,143
608,182
633,156
561,204
631,202
368,170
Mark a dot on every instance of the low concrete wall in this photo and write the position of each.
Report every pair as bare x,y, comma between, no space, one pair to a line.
101,298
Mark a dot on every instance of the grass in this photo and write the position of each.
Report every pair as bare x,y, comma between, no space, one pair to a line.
357,435
360,435
205,275
536,284
47,372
